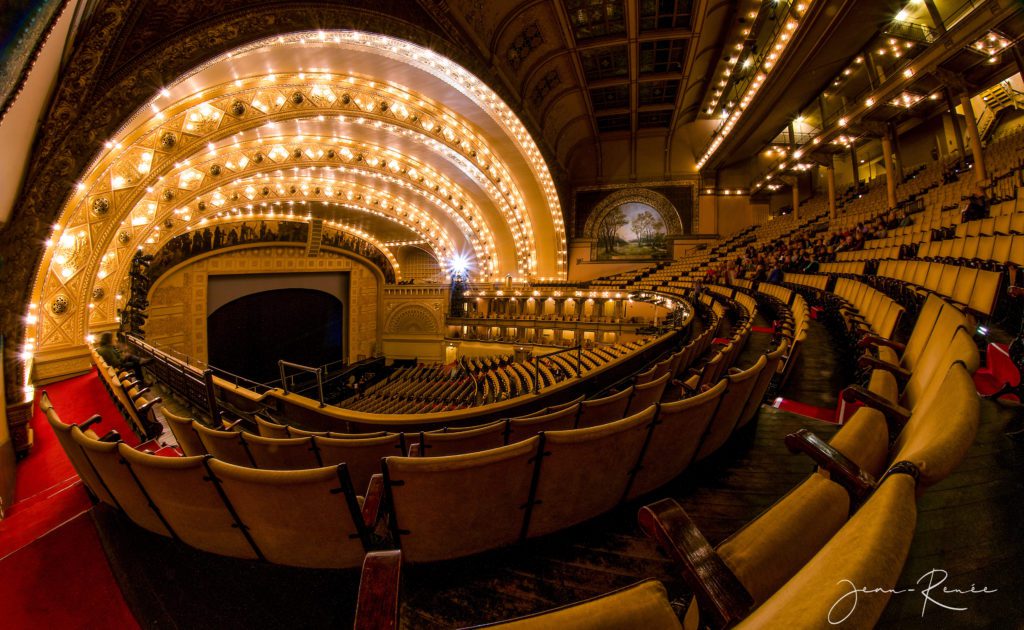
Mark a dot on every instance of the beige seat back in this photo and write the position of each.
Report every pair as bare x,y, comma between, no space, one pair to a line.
942,429
586,472
522,428
734,401
934,363
227,446
125,493
183,490
773,360
449,507
677,433
304,518
282,453
602,410
647,394
296,432
645,377
482,438
271,429
184,434
362,456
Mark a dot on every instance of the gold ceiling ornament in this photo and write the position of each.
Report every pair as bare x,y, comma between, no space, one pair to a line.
200,123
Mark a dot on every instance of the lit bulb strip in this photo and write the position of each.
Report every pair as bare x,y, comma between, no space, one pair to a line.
769,61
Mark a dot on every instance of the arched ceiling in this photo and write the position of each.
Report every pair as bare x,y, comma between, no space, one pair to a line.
379,136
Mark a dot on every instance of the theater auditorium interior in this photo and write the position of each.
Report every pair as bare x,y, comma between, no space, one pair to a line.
539,313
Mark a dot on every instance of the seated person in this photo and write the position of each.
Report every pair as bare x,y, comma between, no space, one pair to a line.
117,359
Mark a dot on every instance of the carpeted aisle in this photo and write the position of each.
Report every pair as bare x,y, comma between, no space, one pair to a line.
62,580
53,570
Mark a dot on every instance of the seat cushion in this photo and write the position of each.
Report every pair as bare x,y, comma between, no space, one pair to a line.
777,544
865,440
888,355
884,384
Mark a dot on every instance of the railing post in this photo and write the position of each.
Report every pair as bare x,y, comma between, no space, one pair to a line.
320,386
211,396
284,382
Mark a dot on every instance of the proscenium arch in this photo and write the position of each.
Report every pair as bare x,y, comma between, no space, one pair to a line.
668,212
523,187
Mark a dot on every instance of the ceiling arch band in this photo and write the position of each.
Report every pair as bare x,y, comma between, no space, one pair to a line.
441,172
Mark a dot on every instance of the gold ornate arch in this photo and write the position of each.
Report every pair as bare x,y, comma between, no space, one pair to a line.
442,173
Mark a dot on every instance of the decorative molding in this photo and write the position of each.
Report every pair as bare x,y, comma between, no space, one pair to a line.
412,319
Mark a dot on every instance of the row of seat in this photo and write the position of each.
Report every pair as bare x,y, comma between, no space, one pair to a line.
214,505
789,563
974,289
306,518
845,268
1001,250
866,309
794,563
133,399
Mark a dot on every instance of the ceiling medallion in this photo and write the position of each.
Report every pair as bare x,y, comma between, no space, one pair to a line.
100,206
60,304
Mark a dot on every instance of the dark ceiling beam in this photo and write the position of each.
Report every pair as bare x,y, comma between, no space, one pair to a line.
581,79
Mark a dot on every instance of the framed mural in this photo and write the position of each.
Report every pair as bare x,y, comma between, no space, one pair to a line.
631,230
633,223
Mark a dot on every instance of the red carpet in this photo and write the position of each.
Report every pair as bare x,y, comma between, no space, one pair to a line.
47,490
762,329
808,411
62,581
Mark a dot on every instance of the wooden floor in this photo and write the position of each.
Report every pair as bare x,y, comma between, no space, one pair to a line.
969,525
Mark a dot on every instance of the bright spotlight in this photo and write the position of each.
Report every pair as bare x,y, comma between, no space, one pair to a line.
459,264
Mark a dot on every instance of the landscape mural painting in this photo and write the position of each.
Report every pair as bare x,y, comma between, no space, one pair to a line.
631,231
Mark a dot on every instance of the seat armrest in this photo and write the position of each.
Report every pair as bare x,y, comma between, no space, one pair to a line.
723,600
139,393
144,408
373,501
414,450
377,605
843,470
895,415
228,426
91,421
865,361
113,436
875,340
